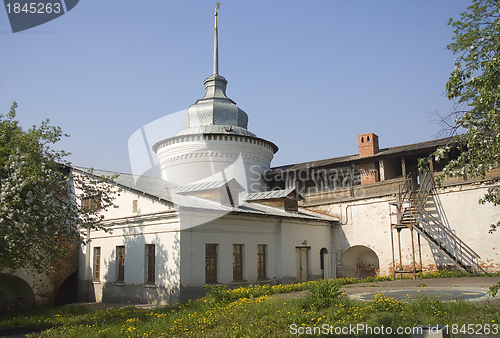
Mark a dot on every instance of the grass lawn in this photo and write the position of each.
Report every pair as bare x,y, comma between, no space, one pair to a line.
257,311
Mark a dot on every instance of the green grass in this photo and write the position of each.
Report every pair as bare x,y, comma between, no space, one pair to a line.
453,273
252,312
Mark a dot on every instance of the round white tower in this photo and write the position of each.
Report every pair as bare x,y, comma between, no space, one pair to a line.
215,143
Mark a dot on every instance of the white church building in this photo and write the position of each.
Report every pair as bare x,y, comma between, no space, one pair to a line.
221,214
205,220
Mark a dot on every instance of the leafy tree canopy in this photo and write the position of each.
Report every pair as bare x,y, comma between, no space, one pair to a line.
39,197
474,85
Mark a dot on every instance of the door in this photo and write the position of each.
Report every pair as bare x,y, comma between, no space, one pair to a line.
302,263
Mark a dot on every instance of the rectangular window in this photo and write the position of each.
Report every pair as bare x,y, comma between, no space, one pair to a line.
237,262
97,264
211,263
134,206
262,261
89,204
150,263
120,263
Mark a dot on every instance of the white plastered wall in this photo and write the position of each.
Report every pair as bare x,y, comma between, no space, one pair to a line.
155,222
366,222
281,235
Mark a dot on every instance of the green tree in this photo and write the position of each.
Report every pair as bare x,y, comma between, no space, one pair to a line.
474,85
40,205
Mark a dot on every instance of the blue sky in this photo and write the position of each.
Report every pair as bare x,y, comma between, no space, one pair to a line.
310,75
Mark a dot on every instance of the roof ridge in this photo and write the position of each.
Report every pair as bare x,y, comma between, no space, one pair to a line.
341,159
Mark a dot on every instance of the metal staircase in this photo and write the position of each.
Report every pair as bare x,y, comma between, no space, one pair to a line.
411,213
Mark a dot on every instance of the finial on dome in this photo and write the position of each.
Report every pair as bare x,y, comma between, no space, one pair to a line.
217,6
216,48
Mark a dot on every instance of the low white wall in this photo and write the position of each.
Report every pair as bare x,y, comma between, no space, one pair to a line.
366,222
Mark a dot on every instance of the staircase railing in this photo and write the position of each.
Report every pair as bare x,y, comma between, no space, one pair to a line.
425,190
446,241
412,213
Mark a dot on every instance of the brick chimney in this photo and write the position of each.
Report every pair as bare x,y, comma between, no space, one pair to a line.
367,144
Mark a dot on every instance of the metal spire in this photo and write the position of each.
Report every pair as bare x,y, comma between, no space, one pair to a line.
216,48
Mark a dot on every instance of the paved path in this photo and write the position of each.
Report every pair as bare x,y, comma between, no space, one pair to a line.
441,285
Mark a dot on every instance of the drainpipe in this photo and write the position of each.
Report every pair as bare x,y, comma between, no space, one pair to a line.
87,281
280,250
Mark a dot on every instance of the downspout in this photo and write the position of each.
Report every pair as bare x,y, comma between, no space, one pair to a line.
87,268
280,250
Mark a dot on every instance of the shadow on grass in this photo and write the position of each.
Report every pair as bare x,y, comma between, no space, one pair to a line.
78,315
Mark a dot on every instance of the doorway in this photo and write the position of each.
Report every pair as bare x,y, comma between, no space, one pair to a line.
302,260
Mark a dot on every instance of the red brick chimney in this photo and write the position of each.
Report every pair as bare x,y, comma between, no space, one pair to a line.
367,144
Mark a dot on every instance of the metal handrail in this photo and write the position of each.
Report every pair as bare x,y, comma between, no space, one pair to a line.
447,240
426,236
447,231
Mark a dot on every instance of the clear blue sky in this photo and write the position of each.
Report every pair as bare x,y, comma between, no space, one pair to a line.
311,75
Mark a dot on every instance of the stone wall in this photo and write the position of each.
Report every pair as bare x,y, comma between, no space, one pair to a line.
365,222
24,289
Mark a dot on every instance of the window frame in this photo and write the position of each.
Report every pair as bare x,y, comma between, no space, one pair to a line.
150,269
211,263
90,204
238,275
96,273
120,263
